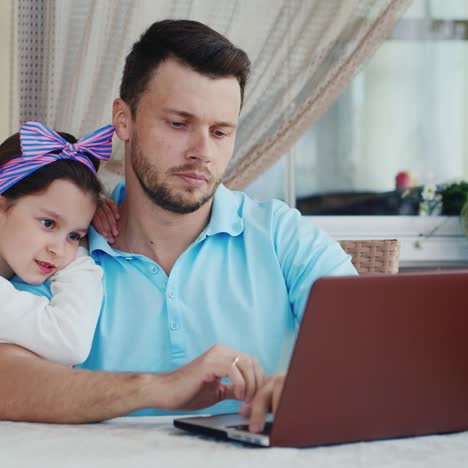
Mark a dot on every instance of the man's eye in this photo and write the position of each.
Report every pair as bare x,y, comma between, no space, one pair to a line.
74,236
177,124
47,223
219,133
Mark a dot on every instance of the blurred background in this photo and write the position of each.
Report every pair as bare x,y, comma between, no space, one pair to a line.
354,107
404,113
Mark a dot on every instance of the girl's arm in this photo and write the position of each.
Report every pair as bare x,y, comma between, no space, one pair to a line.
60,330
106,220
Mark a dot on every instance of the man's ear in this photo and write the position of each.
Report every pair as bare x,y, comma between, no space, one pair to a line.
121,119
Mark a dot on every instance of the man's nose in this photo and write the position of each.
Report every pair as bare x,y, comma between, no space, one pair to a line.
201,146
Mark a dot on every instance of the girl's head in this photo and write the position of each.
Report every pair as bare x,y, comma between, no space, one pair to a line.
44,214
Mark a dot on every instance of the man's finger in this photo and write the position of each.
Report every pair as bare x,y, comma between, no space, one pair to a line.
277,389
260,377
245,410
229,392
246,368
237,380
259,408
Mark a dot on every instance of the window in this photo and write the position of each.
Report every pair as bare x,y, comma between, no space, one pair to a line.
405,112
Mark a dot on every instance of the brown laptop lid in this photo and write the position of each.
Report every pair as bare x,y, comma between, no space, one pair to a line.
378,357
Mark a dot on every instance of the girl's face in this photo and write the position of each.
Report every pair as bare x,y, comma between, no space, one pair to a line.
40,233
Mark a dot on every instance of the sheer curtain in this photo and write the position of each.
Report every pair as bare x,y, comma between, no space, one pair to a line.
70,58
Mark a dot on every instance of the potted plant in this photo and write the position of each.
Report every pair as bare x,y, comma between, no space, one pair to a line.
454,198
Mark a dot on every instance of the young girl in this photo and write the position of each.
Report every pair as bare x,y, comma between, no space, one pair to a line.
49,192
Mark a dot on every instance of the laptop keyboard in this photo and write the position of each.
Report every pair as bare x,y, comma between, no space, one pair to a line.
244,427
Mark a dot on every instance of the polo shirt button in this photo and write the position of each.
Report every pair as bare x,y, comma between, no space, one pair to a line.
174,326
172,294
154,269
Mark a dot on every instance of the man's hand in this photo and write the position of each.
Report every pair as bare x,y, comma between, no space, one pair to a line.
33,389
198,384
105,220
266,400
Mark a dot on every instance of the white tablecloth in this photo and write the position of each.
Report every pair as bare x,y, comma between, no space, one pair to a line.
154,442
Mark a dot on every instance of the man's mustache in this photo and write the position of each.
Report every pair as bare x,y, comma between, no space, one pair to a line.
190,168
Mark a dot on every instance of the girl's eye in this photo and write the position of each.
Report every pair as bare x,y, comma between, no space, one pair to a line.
47,223
74,236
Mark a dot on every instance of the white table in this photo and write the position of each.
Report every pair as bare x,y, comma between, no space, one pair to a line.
154,442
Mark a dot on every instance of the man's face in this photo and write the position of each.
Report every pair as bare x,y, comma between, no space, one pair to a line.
182,136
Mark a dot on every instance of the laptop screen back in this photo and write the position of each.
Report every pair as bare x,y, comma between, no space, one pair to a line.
378,357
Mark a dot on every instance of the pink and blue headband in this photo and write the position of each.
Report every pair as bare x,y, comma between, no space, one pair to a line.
38,144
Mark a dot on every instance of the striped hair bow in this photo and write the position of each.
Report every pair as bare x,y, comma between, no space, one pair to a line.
40,145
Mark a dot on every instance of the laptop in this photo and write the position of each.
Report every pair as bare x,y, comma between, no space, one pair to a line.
376,357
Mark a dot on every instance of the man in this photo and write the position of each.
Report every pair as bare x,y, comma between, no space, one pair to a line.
202,283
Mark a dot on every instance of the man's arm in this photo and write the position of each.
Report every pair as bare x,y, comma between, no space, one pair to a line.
305,253
36,390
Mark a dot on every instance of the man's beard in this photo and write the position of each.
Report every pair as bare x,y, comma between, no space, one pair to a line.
160,193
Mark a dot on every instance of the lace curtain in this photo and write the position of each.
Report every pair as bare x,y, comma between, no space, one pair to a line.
70,56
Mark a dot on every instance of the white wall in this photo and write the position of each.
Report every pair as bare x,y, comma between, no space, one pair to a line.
5,56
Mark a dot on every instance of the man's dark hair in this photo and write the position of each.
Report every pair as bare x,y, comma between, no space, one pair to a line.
192,43
63,169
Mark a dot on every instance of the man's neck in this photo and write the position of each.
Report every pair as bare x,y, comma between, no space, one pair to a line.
161,235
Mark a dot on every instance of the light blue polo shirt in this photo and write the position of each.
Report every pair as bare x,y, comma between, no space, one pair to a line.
243,283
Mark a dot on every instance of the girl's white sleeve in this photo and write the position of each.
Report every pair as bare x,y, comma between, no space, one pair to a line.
62,329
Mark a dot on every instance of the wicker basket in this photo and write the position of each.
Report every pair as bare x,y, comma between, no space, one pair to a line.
373,256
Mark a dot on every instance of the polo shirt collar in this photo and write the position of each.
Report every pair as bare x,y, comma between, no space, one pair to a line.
98,242
225,214
225,218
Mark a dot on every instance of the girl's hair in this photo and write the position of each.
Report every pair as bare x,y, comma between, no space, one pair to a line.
63,169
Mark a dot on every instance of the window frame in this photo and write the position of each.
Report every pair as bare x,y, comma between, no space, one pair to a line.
426,242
